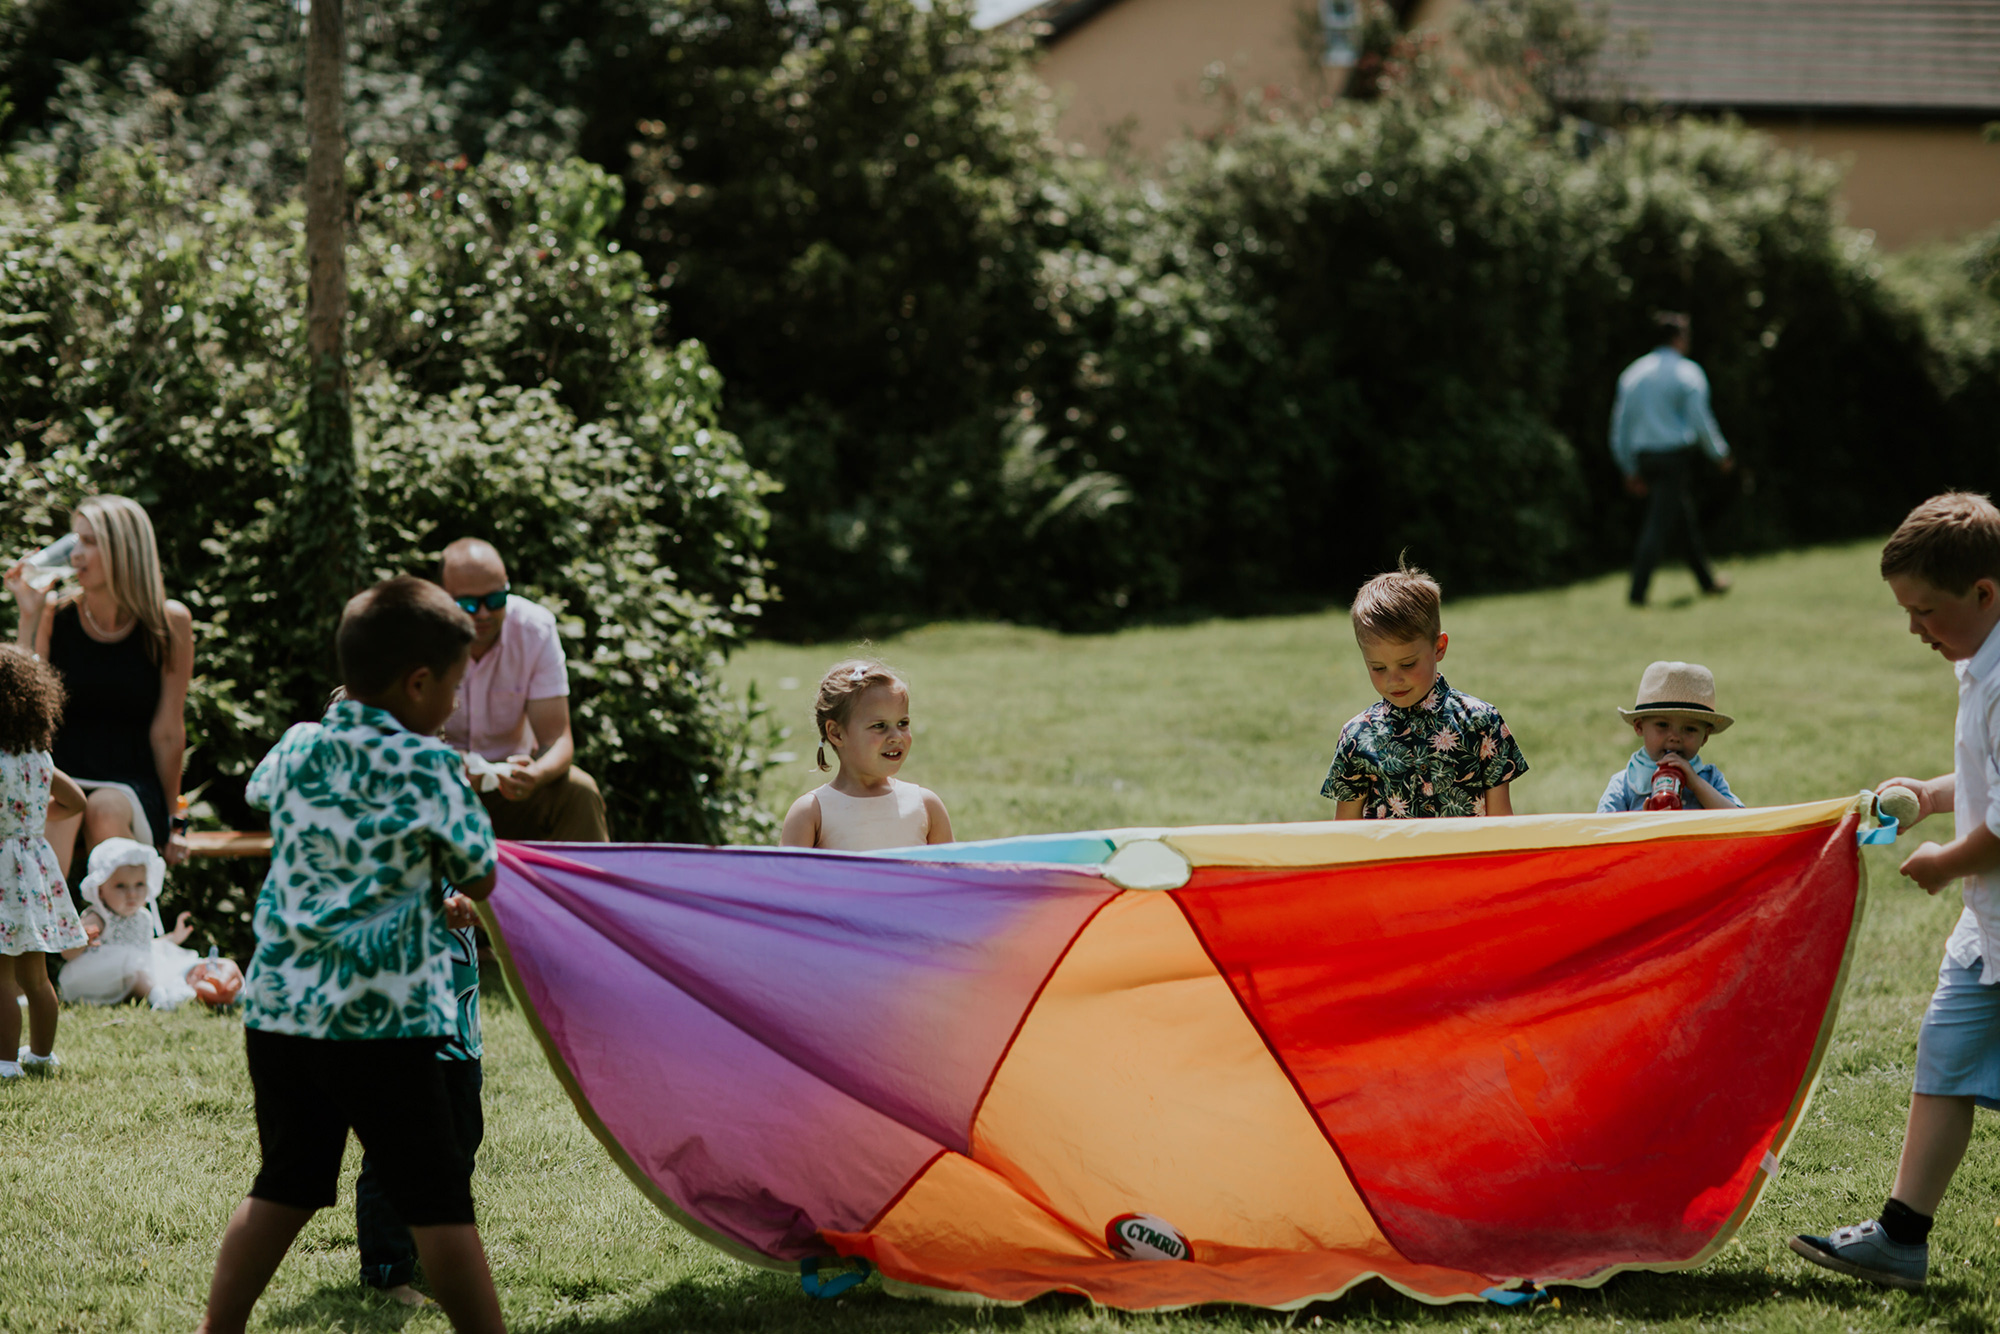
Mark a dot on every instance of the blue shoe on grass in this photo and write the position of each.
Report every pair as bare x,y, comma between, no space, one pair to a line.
1865,1251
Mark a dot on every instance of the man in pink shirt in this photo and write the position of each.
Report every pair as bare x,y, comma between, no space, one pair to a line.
513,707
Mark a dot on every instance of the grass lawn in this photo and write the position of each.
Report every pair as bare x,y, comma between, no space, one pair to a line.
116,1177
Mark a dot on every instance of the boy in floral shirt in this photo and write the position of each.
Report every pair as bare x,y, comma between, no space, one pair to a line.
349,995
1425,749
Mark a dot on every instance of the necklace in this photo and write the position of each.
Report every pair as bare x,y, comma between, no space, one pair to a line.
83,604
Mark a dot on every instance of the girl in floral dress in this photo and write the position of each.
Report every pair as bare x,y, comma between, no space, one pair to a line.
36,916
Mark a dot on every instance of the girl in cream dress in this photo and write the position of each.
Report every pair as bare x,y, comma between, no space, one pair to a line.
863,712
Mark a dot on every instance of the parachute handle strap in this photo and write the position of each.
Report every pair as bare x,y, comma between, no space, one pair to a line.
1883,828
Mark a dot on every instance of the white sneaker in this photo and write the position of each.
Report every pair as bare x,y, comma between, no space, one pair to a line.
32,1064
10,1069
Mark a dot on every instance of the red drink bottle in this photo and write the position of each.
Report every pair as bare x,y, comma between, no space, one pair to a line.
1666,793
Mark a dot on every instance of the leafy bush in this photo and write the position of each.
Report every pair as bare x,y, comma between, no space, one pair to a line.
510,383
1817,369
995,379
844,201
1319,340
1952,291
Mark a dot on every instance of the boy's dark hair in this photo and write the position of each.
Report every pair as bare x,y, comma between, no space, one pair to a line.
1397,607
1671,324
1950,542
31,702
390,630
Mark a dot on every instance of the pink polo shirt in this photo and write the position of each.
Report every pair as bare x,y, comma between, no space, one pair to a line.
525,663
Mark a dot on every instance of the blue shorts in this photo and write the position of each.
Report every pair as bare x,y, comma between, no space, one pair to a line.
1958,1048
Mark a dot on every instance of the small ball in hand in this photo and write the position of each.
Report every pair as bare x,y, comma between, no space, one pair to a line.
1899,804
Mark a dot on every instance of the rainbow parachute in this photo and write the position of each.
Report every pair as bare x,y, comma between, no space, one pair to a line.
1251,1064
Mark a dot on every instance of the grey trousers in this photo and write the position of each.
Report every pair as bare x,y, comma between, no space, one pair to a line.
1670,514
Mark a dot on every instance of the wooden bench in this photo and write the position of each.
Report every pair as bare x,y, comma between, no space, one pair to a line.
228,843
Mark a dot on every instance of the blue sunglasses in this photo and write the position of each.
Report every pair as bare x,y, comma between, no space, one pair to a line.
493,601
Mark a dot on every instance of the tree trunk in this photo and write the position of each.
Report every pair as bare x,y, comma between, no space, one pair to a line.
326,536
326,196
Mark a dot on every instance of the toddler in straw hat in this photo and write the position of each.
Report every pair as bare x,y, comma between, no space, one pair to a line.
1674,717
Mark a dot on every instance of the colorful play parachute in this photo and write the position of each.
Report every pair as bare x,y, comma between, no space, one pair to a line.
1161,1067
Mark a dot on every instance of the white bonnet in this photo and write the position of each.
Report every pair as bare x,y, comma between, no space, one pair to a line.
113,853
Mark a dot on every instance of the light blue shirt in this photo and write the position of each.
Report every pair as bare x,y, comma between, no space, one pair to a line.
1630,786
1662,404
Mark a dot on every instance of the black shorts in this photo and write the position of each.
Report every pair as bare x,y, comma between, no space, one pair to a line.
389,1091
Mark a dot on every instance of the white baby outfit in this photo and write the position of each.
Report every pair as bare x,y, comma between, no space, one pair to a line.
128,947
896,819
36,915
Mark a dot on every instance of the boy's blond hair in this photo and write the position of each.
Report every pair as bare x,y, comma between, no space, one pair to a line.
1397,607
1951,542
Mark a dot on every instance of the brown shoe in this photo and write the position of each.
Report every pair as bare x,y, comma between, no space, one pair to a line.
1723,583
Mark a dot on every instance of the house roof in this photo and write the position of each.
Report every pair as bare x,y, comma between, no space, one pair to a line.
1935,56
1065,16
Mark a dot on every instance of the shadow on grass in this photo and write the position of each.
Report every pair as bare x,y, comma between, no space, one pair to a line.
1948,1304
772,1304
765,1303
344,1306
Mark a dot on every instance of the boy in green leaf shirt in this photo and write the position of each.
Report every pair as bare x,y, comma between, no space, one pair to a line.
349,994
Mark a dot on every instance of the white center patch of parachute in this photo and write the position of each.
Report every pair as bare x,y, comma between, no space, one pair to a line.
1146,863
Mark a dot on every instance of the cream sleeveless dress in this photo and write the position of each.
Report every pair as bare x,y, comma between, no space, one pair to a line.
896,819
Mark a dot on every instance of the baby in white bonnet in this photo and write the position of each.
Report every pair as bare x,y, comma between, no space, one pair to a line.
131,955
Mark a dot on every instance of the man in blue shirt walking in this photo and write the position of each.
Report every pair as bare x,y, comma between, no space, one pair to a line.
1662,417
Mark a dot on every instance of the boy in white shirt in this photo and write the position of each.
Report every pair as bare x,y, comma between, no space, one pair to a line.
1943,565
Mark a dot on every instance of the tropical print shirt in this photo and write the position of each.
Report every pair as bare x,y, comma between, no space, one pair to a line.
366,819
464,1042
1437,757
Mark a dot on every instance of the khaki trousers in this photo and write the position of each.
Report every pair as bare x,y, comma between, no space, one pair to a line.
569,810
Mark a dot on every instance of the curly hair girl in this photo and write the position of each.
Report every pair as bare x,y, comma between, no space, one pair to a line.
31,703
37,918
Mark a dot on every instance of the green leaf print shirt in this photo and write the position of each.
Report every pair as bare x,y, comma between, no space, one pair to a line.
351,939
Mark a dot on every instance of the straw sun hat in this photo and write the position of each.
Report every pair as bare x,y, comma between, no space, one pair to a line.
1678,690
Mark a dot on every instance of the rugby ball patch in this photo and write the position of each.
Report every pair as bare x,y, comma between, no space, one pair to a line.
1146,1237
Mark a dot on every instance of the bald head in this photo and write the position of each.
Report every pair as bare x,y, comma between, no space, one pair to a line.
472,568
473,558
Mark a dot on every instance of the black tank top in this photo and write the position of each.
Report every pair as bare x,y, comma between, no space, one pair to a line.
114,691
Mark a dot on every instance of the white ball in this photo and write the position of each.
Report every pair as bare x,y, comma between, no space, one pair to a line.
1899,804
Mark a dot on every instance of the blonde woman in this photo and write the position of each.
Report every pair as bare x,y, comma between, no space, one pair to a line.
125,652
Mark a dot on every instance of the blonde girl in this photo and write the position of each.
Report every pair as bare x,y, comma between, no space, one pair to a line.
125,652
36,916
863,712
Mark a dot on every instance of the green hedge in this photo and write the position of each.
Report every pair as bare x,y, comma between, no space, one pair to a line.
996,379
510,382
1312,344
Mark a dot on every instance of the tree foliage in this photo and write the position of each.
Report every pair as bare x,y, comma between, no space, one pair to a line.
994,378
510,382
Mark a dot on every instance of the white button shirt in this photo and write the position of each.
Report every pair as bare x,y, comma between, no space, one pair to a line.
1976,766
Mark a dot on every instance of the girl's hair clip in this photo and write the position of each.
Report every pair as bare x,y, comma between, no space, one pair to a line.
858,674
